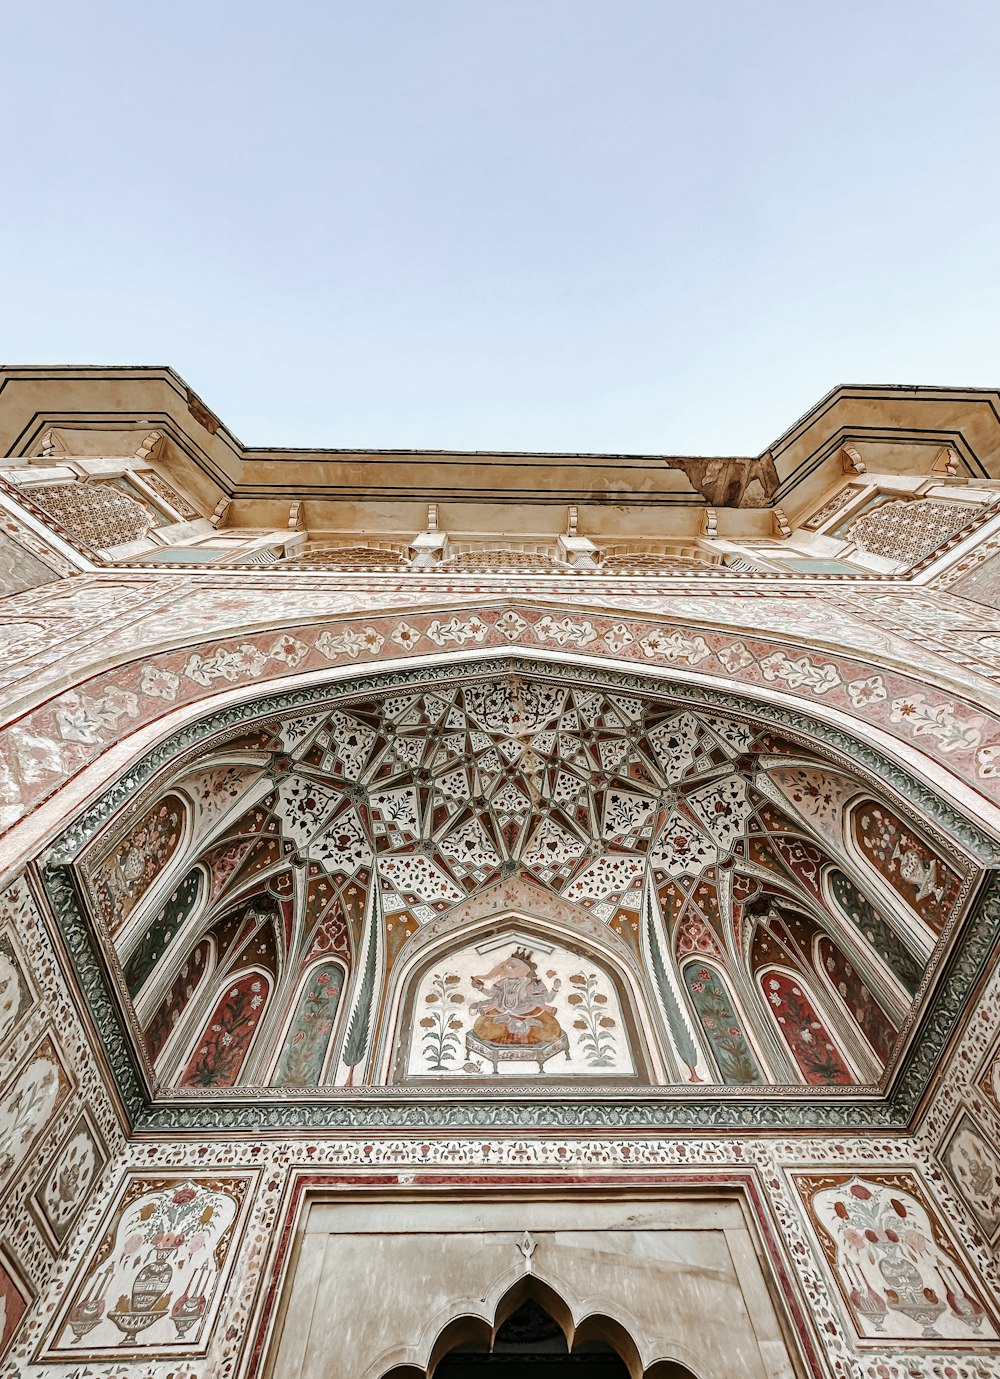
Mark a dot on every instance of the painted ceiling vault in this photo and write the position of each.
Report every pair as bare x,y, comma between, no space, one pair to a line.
519,881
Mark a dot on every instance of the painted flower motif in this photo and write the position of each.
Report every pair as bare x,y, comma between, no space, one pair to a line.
159,684
735,657
288,650
405,636
617,638
868,691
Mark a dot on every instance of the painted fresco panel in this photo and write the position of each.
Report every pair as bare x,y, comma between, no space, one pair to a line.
871,1019
225,1041
848,900
15,1297
809,1041
918,875
157,1272
504,1008
180,992
15,993
124,876
144,956
308,1038
722,1026
901,1279
29,1103
63,1189
989,1079
971,1160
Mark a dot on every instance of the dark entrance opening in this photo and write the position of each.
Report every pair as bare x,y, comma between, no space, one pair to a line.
529,1343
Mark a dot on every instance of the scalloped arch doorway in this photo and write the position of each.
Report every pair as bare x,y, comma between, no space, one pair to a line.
463,1277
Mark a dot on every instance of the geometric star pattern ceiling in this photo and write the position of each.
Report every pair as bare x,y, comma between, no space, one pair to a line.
520,878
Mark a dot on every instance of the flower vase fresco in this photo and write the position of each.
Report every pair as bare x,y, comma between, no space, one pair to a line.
900,1276
157,1276
504,1008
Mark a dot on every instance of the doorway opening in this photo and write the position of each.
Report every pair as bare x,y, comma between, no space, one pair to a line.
531,1342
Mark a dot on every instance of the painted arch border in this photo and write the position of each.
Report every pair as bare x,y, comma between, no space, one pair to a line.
373,1107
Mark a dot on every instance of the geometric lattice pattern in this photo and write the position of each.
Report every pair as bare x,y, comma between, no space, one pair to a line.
98,515
910,531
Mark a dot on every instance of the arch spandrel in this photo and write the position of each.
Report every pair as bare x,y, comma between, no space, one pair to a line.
388,821
770,652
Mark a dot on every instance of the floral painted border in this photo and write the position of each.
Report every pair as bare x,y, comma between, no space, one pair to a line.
71,730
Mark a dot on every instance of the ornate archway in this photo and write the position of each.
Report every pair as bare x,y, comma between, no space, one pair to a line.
319,883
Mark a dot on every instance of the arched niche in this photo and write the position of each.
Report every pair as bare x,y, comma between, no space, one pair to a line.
134,860
306,1040
515,997
902,862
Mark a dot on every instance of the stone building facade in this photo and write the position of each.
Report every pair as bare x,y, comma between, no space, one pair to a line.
442,889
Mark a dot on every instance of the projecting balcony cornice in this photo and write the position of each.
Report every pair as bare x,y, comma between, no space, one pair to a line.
102,410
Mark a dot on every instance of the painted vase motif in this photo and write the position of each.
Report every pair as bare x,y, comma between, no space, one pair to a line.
151,1282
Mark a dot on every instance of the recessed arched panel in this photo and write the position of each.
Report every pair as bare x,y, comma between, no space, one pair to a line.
517,1002
308,1037
849,985
905,862
177,999
152,945
224,1043
131,866
874,929
804,1029
723,1026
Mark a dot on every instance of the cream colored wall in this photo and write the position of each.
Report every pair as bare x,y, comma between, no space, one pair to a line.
681,1278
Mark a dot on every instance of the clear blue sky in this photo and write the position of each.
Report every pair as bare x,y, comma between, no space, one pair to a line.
624,225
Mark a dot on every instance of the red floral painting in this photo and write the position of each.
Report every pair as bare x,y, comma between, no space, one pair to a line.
170,1009
871,1018
222,1050
809,1041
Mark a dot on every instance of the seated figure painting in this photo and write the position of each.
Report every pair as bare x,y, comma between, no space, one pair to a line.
515,1017
517,1005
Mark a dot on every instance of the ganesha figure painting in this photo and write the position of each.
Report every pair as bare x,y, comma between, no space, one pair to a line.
519,1006
514,1015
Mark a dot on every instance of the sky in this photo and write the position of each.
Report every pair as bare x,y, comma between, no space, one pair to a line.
625,226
